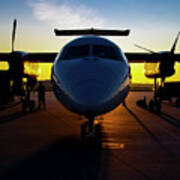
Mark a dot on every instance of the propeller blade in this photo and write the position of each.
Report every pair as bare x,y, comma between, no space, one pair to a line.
175,43
152,52
14,33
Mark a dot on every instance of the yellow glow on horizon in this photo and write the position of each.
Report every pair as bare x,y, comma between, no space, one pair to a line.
31,68
4,66
137,70
151,68
43,71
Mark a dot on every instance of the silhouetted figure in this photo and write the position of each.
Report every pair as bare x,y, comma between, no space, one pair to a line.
41,96
31,82
27,103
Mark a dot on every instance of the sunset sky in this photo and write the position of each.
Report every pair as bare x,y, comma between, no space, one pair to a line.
153,24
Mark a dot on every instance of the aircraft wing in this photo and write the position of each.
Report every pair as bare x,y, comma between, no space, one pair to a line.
4,56
49,57
177,57
146,57
31,57
40,57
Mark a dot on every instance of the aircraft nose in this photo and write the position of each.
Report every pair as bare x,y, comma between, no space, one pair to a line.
90,94
91,85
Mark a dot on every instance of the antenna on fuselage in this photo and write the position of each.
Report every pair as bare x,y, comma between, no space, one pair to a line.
92,31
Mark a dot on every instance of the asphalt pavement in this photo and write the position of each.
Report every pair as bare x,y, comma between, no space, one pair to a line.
134,144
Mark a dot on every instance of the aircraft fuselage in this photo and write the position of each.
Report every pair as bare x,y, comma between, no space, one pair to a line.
90,76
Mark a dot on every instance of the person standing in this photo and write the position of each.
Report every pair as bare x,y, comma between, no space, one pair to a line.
41,96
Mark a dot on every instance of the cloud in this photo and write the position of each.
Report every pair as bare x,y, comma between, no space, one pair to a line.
65,15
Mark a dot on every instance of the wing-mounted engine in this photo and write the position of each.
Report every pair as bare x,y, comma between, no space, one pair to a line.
163,65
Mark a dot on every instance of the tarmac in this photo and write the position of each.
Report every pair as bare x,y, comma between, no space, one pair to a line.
135,143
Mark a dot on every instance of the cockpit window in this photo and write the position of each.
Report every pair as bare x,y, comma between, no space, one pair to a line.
74,52
108,52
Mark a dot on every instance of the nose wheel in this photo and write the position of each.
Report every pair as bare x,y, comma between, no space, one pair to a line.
90,129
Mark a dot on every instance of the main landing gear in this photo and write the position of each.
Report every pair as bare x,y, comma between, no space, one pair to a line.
91,129
155,103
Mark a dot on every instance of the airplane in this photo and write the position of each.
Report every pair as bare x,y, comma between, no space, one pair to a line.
90,74
162,67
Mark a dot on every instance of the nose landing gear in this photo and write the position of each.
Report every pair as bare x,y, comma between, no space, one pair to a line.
91,129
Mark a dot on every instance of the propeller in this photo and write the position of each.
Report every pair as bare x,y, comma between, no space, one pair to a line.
167,60
140,47
17,68
14,33
160,53
175,43
14,53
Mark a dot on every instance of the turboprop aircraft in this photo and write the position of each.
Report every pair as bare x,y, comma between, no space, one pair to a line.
90,74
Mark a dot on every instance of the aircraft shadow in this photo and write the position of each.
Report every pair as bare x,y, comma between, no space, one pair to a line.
15,116
64,159
153,136
170,119
164,116
11,117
